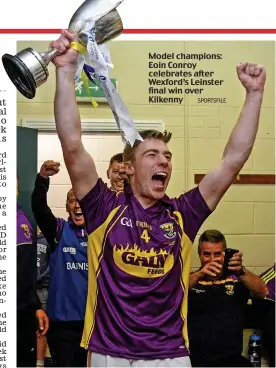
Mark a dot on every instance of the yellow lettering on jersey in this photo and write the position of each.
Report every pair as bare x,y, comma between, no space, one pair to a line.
145,236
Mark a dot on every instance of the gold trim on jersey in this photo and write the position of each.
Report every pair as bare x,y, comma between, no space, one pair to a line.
218,282
95,251
266,298
269,275
185,261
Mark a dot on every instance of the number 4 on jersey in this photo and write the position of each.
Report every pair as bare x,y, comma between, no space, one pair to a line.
145,236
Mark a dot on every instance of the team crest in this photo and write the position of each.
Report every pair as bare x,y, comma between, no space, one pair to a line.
168,229
229,289
26,230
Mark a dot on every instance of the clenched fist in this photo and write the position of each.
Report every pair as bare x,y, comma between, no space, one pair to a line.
235,263
252,76
49,168
66,56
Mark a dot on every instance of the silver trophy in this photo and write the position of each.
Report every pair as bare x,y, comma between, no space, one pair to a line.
28,69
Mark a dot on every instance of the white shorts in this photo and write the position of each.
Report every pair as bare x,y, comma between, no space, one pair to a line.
99,360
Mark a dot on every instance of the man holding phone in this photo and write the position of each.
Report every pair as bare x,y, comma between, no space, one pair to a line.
218,295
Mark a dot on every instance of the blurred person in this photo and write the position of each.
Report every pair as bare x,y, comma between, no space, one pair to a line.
264,314
116,172
43,276
31,319
67,291
139,239
217,305
269,278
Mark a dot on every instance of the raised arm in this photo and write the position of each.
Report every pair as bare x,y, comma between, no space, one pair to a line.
240,144
79,163
44,217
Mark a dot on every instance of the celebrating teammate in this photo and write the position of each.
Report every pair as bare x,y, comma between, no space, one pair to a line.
140,240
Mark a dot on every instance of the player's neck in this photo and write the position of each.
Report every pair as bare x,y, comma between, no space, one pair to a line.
145,202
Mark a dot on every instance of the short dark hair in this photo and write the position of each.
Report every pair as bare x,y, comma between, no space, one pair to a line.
145,134
116,158
68,194
212,236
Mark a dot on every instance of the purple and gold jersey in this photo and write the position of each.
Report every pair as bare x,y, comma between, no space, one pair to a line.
139,264
269,278
24,234
27,300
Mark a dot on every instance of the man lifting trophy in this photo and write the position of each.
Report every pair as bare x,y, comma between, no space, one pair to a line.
94,23
28,69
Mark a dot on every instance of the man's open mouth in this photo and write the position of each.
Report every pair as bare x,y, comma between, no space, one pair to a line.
159,179
78,214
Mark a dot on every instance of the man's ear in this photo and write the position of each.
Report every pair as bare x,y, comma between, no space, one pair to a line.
107,174
129,169
66,206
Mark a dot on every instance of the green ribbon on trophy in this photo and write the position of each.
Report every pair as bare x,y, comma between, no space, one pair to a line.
80,72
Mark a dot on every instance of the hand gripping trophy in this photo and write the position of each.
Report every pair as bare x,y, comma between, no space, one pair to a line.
95,22
28,69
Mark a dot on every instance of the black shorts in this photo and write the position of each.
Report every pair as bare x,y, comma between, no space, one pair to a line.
64,340
26,339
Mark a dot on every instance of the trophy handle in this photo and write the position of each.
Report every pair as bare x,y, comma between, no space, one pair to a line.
49,55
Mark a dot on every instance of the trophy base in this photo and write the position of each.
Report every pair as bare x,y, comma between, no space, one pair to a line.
20,75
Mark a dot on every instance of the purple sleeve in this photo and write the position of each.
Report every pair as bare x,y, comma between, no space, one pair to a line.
97,205
268,272
194,211
27,298
24,229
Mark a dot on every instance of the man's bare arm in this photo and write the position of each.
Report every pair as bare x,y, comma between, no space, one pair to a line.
255,284
239,146
79,163
194,278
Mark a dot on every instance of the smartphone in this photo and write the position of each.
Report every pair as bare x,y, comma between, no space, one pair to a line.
229,252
